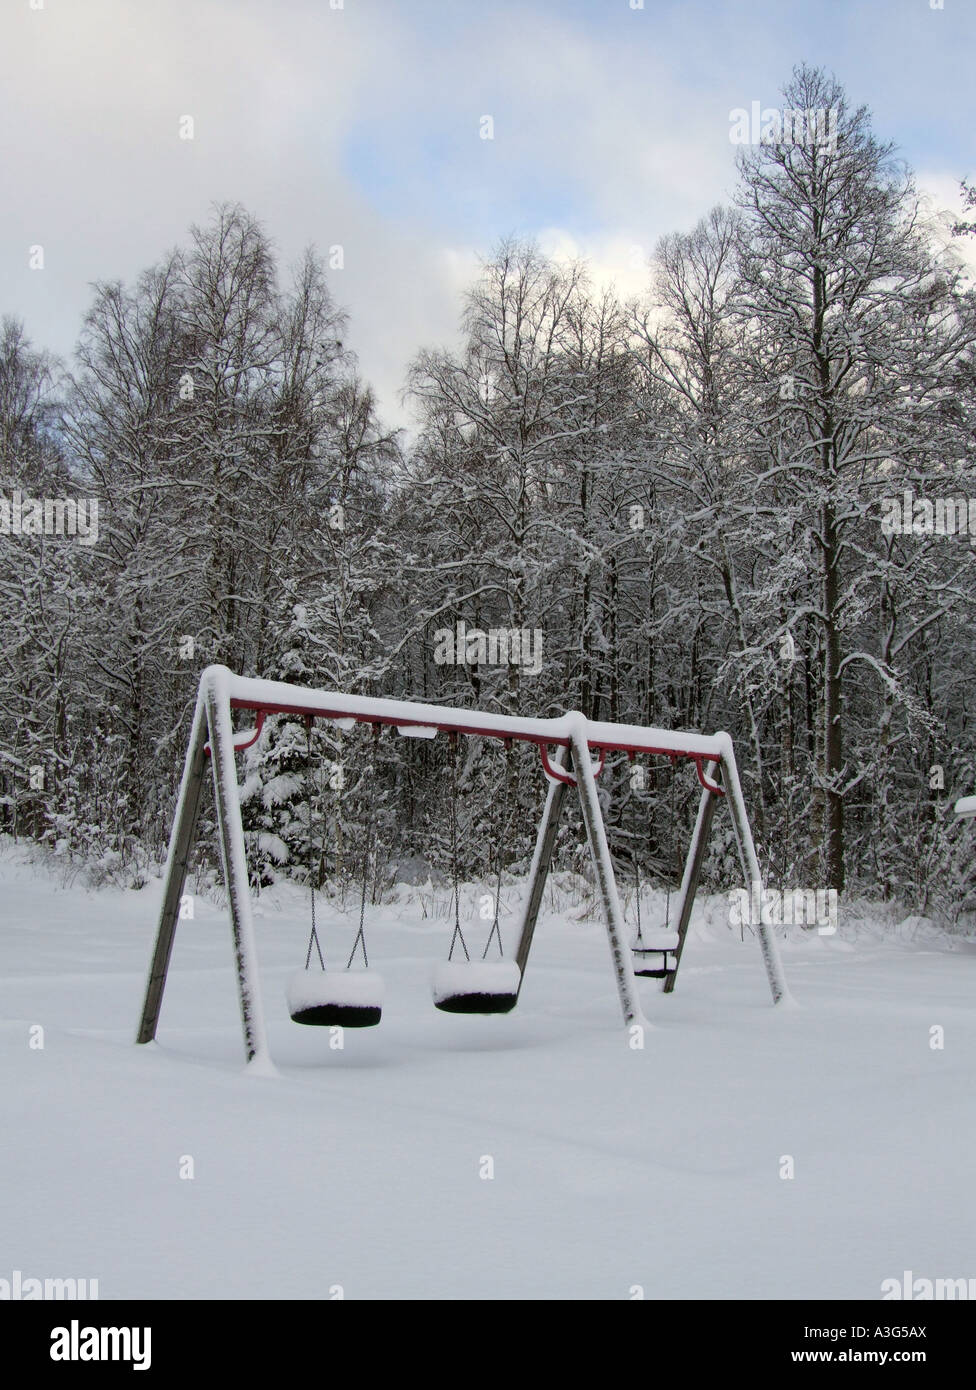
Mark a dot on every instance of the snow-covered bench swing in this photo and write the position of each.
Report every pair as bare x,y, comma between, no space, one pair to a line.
354,998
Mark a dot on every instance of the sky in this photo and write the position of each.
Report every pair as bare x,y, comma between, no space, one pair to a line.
360,124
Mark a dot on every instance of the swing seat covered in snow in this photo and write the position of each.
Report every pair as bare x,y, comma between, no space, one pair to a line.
476,987
336,999
654,954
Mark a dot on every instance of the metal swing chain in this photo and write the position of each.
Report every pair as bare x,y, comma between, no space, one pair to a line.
505,815
458,934
313,939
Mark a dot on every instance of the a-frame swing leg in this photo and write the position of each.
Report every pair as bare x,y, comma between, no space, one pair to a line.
545,843
750,868
600,853
230,831
177,861
692,871
212,716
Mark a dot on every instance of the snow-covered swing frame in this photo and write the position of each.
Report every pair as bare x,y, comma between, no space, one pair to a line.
212,736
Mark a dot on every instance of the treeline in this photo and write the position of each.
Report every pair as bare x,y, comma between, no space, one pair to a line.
681,499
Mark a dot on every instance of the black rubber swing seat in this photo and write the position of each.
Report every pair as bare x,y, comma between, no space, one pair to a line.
338,1016
476,987
477,1003
336,999
654,954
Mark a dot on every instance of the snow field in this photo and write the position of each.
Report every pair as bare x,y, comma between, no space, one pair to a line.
533,1155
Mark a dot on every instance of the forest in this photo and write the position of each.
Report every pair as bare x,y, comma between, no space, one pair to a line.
681,507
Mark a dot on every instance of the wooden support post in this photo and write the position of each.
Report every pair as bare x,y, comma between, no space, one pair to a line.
692,872
177,860
750,869
231,837
542,858
603,866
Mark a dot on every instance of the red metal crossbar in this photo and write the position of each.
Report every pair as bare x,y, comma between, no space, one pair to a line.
476,730
255,735
560,773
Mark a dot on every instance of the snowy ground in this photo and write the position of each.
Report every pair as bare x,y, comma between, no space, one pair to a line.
362,1168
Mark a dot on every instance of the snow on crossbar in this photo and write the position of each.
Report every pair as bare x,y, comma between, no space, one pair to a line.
424,721
212,736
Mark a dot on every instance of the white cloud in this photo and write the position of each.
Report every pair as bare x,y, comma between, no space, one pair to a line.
942,204
611,129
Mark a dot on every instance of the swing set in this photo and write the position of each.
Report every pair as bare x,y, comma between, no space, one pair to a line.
353,997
